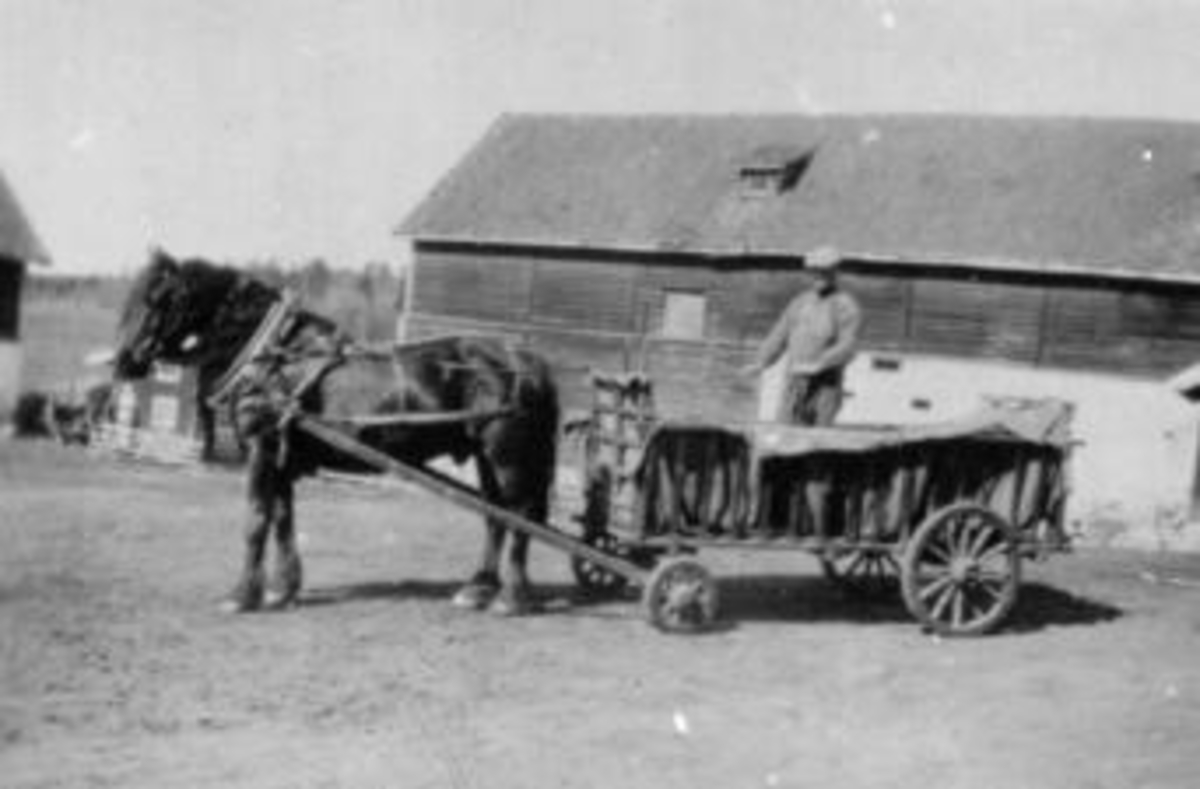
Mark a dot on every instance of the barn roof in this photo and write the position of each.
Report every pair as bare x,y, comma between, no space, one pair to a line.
1108,196
17,239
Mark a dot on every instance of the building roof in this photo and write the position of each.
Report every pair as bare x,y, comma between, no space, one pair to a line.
1119,197
17,239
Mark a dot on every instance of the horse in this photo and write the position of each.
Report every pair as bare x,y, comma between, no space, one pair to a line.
193,311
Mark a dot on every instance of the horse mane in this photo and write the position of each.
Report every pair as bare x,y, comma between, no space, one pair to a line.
217,302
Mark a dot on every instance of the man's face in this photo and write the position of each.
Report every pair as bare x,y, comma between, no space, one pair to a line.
826,281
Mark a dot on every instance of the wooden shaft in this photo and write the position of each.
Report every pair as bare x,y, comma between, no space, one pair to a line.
421,418
464,496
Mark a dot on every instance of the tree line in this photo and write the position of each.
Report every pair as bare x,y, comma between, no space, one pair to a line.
364,301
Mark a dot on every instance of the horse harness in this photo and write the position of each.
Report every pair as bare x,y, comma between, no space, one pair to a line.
260,362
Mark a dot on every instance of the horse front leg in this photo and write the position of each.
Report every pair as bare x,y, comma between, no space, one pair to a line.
288,570
263,502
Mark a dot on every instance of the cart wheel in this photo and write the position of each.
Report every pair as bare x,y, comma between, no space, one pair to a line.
681,596
962,571
597,580
868,573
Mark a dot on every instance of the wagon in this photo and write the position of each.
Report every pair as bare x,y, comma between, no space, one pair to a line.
942,514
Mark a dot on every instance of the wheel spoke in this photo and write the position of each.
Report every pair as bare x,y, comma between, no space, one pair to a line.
944,599
956,612
935,587
985,534
883,571
962,541
937,552
854,564
998,577
995,593
997,550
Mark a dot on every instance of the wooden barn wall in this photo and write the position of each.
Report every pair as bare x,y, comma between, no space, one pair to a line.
604,311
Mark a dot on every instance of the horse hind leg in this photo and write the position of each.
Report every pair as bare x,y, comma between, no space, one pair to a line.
484,585
516,597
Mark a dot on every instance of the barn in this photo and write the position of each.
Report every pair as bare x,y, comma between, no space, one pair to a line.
993,256
19,248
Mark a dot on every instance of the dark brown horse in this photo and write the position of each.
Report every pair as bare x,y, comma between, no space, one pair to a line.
194,312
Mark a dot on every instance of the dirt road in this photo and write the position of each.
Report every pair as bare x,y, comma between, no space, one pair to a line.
116,668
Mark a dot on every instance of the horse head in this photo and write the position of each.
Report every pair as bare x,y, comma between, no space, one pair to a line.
167,313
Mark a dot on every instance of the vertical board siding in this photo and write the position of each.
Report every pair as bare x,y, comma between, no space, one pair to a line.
482,287
605,313
575,356
885,303
1137,331
979,319
423,327
584,295
755,301
698,382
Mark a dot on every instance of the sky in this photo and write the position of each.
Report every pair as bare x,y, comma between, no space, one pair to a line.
294,129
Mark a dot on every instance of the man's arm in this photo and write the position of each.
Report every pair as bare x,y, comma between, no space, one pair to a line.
775,342
848,317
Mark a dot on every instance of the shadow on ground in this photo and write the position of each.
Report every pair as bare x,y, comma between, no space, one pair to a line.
770,598
549,597
761,598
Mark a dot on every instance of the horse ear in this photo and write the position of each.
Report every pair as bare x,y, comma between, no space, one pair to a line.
160,257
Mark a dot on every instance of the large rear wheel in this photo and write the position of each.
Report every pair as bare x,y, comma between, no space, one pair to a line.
962,571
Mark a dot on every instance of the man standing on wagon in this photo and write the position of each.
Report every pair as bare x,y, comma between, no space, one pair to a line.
818,336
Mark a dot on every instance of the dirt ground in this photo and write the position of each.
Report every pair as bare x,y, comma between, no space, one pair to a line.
118,670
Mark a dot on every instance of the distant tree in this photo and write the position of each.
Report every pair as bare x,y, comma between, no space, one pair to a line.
315,279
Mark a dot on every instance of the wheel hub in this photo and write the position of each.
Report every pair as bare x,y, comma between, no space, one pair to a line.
963,569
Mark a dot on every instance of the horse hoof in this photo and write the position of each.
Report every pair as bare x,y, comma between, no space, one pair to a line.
507,606
474,597
279,601
235,606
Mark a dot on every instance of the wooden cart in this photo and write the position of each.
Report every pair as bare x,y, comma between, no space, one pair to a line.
949,510
945,514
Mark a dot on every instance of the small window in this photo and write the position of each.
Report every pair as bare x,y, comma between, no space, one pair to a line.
760,183
168,374
164,413
683,315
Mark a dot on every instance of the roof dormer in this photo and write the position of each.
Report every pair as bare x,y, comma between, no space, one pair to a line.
773,170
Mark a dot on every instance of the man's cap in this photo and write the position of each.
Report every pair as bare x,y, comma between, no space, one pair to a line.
823,259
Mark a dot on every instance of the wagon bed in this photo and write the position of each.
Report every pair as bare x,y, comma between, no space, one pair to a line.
944,513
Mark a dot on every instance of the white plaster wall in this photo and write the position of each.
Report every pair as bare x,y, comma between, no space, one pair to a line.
1132,475
10,376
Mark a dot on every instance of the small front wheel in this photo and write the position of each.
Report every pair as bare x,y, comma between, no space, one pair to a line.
681,596
962,571
599,581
